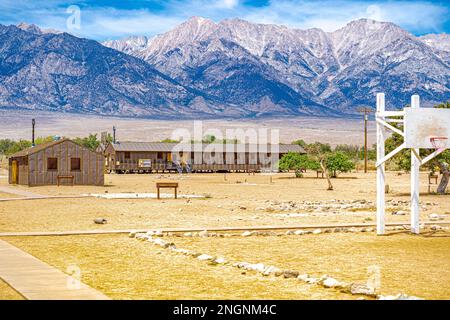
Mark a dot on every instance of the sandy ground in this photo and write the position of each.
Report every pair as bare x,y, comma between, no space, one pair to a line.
16,125
228,204
125,268
8,293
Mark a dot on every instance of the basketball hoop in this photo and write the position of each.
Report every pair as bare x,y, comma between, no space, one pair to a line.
439,142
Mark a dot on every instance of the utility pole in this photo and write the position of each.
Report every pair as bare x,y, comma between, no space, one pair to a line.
33,123
365,111
114,134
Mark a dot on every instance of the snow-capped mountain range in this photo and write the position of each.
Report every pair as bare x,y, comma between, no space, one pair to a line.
305,69
233,68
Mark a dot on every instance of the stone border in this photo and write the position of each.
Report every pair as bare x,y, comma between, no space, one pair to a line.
298,232
324,281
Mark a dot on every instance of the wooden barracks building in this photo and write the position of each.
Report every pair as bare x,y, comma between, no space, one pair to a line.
127,157
57,162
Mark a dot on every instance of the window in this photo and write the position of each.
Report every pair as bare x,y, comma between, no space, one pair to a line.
75,164
52,163
127,155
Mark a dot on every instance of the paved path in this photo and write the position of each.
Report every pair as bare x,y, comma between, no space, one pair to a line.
212,229
19,192
36,280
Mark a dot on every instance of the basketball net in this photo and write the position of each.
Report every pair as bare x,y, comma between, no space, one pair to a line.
439,142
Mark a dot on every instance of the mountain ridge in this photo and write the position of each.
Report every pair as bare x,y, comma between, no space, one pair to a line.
229,69
323,67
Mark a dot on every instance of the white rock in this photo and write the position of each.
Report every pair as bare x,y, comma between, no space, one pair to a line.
157,233
331,283
435,217
312,280
241,265
205,257
303,277
362,289
187,234
317,231
246,234
299,232
160,242
203,234
220,260
132,234
258,267
400,213
271,270
400,296
100,221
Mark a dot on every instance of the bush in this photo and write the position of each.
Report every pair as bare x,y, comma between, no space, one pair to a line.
339,162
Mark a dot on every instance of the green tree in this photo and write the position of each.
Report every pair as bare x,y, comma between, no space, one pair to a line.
301,143
338,162
18,146
91,142
168,140
209,138
40,140
318,153
295,161
5,145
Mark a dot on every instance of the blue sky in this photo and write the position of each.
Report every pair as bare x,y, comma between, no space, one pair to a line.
115,19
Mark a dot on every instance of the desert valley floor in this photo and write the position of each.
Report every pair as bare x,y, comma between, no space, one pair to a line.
17,125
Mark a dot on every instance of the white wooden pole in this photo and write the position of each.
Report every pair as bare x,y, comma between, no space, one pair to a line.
380,169
415,186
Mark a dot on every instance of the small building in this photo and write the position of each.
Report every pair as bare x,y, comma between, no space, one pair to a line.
56,162
128,157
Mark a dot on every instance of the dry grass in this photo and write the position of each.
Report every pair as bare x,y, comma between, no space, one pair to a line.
8,293
415,265
125,268
4,195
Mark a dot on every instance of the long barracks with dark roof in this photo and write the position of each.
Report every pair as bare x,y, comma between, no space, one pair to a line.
128,157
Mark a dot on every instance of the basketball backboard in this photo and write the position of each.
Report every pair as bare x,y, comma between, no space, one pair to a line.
422,124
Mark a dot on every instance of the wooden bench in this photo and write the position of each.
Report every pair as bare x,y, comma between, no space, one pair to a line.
160,185
430,183
319,172
59,177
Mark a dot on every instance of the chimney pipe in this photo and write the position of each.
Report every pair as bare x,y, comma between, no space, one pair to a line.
33,123
114,134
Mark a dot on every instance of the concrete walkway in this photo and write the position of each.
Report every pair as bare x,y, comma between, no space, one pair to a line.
19,192
41,197
36,280
212,229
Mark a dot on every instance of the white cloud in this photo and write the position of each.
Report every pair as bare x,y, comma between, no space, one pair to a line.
229,4
107,23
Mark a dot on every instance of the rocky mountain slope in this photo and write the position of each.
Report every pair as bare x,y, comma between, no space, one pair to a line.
309,71
59,72
229,69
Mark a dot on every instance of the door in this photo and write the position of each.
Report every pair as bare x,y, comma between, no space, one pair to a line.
14,172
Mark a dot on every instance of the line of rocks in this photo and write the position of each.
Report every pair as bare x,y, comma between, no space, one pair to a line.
336,206
324,281
297,232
